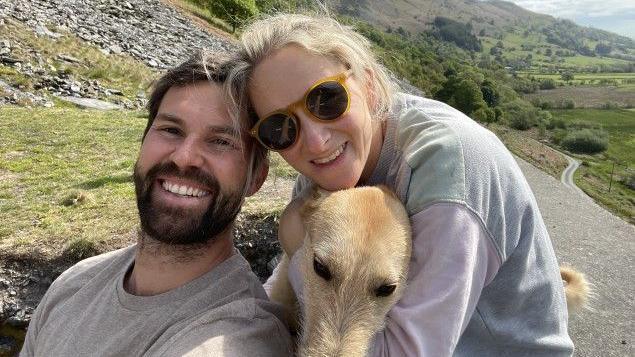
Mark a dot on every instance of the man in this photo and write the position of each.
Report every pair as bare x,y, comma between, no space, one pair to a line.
183,289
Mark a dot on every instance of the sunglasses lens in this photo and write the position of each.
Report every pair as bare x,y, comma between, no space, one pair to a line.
278,131
327,101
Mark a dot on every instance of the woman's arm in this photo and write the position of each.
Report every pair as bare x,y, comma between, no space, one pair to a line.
453,258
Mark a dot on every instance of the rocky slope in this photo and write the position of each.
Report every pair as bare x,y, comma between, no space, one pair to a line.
148,30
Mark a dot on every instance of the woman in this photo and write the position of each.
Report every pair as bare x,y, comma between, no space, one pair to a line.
483,277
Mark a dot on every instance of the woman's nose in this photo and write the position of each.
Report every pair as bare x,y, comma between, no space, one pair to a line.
314,135
187,154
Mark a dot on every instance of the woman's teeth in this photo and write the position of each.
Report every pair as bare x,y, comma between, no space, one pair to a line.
331,157
183,190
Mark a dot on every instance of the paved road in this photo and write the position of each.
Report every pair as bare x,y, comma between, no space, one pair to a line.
567,174
601,245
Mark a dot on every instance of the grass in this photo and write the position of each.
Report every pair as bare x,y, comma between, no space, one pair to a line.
193,7
66,178
112,71
530,150
611,167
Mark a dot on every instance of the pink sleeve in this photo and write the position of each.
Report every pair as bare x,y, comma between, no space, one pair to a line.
453,258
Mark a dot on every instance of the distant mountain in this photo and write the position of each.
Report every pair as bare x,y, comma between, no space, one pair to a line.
492,21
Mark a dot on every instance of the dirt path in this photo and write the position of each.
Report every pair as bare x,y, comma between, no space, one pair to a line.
601,245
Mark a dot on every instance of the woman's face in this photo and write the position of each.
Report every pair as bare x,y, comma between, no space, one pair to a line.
336,154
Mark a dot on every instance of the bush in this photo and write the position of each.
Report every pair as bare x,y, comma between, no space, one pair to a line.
558,135
233,11
587,141
556,123
485,115
547,83
520,115
568,104
609,105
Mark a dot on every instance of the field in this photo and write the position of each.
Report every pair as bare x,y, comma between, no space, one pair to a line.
610,169
65,180
586,96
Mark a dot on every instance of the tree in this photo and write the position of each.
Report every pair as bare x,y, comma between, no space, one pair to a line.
490,93
467,97
233,11
567,76
603,49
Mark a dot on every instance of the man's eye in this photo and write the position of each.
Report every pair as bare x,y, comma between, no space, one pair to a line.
222,143
171,130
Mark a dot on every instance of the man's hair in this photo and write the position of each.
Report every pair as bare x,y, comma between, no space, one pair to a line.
213,67
320,35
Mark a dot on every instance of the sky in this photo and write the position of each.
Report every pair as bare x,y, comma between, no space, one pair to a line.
612,15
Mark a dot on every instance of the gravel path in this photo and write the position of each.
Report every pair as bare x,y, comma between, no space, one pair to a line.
601,245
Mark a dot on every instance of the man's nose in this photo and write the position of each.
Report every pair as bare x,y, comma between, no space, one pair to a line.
188,154
314,134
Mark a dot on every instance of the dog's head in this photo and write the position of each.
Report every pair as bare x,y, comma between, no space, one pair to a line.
355,262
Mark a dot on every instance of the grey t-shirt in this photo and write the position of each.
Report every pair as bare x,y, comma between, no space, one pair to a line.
87,312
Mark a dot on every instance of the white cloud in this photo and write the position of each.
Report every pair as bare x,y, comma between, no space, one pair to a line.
574,8
612,15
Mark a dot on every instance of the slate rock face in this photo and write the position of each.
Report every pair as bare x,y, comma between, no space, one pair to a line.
149,31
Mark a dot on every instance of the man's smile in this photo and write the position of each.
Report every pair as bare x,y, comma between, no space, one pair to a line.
183,189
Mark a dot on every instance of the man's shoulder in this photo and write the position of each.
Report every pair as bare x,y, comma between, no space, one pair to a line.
235,318
85,270
242,327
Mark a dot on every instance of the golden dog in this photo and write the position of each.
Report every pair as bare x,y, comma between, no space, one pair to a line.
354,259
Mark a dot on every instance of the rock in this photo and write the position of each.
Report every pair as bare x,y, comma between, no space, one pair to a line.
8,345
10,60
152,63
116,49
68,58
90,103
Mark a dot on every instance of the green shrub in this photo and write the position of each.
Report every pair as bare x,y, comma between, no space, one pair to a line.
233,11
547,83
587,141
556,123
558,135
520,114
485,115
568,104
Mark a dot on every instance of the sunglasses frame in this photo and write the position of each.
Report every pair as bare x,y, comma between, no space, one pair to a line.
301,104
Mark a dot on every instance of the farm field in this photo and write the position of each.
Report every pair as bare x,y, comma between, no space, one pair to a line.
605,176
587,96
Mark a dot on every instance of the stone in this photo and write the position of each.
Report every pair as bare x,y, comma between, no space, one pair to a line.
90,103
116,49
7,345
68,58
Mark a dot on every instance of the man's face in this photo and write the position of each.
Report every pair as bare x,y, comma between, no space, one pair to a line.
190,174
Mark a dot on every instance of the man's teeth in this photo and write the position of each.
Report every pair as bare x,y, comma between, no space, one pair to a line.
332,157
183,190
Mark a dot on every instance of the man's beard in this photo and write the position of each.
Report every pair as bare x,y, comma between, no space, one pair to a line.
179,226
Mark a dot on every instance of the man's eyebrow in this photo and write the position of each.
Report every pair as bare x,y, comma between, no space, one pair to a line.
216,129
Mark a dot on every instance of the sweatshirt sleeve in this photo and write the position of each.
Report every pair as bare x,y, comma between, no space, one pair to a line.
453,258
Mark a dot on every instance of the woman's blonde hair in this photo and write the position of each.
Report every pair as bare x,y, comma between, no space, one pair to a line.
318,35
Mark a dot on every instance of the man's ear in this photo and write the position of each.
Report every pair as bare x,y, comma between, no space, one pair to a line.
258,177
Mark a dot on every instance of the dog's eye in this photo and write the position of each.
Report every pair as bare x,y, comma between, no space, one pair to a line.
321,270
385,290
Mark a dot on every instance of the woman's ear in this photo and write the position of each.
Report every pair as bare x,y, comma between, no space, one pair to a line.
369,87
